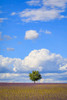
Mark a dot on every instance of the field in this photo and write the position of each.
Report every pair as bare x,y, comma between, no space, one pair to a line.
29,91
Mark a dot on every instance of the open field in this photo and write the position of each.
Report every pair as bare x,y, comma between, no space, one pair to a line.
29,91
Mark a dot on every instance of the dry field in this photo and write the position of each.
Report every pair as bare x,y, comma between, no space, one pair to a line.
29,91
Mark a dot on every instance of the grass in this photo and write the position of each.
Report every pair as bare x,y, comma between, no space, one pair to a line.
18,91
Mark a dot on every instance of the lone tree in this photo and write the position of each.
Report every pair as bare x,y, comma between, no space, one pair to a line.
35,76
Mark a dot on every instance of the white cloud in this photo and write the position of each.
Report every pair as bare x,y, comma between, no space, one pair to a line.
5,61
49,10
51,80
41,14
8,75
6,64
33,2
51,3
10,49
24,77
2,19
47,32
41,80
59,77
13,13
54,81
63,67
55,3
56,74
41,60
31,34
12,75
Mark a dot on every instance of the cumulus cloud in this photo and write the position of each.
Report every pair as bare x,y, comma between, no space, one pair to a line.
42,60
2,19
63,67
6,64
31,34
49,10
53,67
10,49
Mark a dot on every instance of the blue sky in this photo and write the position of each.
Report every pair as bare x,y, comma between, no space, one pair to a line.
33,37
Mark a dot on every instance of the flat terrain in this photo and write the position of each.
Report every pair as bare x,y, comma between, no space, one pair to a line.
29,91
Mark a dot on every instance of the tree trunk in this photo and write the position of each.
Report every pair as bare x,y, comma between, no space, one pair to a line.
34,81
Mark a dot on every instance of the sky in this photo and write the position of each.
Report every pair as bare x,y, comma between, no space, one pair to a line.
33,36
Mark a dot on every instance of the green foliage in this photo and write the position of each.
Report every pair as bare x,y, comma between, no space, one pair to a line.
35,76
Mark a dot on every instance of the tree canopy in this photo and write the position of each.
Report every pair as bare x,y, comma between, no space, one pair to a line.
35,76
